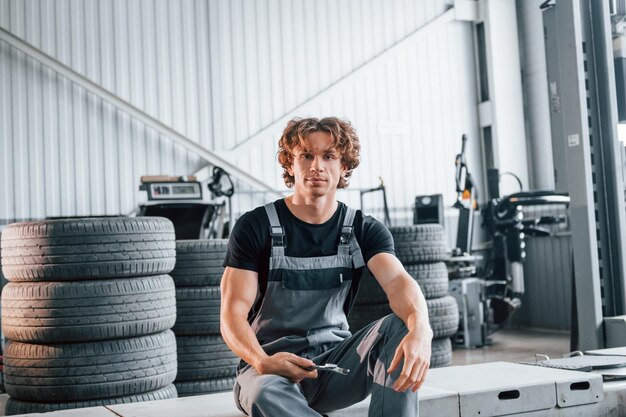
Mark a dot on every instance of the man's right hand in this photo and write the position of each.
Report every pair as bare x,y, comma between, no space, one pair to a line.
292,367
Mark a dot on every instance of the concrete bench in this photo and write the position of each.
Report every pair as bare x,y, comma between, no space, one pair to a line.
222,405
448,391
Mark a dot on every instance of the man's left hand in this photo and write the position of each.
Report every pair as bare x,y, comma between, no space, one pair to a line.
416,350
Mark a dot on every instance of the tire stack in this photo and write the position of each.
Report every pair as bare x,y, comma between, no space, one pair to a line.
87,311
205,363
3,282
422,250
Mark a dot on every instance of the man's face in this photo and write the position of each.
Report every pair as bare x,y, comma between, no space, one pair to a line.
317,167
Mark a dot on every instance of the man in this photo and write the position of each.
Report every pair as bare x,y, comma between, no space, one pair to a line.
292,272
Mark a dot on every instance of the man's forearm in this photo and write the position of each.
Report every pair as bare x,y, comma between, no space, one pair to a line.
408,303
240,338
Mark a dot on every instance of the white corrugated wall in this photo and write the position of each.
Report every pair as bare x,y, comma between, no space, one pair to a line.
228,74
65,151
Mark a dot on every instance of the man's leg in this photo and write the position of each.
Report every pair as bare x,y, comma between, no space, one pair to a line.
368,354
270,396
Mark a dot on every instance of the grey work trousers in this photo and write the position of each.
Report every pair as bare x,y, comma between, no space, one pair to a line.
367,354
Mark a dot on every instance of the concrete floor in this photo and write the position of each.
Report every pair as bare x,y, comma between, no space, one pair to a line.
515,345
511,345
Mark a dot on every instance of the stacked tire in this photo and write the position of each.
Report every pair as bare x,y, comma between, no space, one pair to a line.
87,311
205,363
422,250
3,282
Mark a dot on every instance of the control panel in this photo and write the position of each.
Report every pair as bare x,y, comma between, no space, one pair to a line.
174,191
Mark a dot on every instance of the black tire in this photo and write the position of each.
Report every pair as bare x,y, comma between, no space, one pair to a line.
198,311
418,252
204,357
420,243
199,262
81,311
431,277
201,249
418,232
89,371
88,248
207,386
196,277
443,314
441,352
14,406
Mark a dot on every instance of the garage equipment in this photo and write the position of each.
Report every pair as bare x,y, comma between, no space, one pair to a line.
465,286
611,367
612,376
504,219
181,199
466,202
487,299
469,295
428,209
381,188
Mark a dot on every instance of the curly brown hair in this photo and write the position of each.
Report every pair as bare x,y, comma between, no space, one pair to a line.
343,135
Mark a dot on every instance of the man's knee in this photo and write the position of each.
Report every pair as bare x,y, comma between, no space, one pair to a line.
393,325
269,390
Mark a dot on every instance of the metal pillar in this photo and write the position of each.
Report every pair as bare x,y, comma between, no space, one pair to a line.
501,111
536,104
587,157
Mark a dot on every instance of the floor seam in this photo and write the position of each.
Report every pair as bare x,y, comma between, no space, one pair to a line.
113,411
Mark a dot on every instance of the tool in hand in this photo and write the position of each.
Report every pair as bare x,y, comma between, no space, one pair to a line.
332,368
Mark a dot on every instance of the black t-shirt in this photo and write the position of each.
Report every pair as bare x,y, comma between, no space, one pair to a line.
249,245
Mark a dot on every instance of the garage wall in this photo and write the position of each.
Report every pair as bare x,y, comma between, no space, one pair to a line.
67,153
228,75
410,108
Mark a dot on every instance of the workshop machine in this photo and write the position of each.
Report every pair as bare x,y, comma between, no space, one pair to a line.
505,220
489,289
196,213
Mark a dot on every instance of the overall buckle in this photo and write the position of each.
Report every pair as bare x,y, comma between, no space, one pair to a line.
278,235
346,234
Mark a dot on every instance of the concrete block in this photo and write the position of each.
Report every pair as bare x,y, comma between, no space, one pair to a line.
501,388
77,412
211,405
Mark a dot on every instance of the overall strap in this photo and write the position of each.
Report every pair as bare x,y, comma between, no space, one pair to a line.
348,240
346,232
277,232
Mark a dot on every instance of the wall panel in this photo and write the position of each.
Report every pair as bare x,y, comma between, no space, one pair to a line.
410,110
225,73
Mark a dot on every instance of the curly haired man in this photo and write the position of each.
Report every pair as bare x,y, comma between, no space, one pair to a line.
292,272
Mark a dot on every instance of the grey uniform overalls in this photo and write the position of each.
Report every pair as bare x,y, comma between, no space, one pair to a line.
302,312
